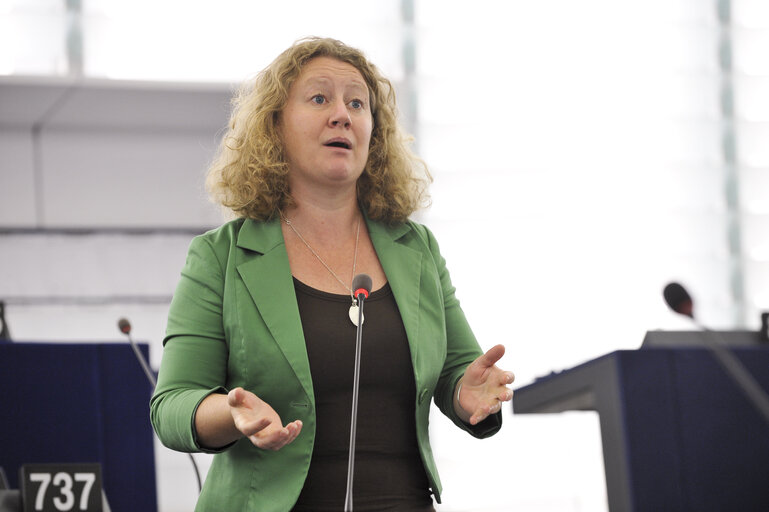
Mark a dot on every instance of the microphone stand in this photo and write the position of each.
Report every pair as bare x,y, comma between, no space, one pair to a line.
354,418
126,329
745,381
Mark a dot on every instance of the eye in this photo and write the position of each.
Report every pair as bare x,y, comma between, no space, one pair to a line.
318,99
356,104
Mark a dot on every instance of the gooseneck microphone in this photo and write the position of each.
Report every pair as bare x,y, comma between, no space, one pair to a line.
361,285
125,327
5,334
679,300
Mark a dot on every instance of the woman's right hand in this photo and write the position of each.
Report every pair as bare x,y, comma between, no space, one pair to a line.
255,419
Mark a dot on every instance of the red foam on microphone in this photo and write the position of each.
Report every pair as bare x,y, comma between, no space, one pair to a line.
363,291
124,326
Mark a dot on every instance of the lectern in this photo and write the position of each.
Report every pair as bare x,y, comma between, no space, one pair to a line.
677,432
73,403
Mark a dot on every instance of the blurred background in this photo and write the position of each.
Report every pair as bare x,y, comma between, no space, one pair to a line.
584,155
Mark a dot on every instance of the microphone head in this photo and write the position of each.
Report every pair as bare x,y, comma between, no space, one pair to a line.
361,284
124,325
678,299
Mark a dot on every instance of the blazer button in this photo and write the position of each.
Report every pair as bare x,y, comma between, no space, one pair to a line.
423,394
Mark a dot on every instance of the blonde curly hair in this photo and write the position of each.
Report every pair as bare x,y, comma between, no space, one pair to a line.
249,174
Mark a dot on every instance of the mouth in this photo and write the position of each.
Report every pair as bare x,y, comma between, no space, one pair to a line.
338,143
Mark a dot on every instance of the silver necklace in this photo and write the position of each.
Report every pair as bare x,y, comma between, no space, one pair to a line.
353,312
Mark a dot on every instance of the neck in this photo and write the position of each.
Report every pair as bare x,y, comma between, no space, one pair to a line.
323,217
322,228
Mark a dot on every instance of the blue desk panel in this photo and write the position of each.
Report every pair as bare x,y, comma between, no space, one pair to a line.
678,434
79,402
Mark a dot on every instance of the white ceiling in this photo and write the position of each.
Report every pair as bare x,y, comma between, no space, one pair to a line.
55,102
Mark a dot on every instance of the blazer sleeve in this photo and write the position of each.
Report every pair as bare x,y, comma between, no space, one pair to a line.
195,353
461,349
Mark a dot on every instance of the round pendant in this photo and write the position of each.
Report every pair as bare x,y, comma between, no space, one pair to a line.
354,315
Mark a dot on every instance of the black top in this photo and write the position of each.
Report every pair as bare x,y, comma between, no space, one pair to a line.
389,474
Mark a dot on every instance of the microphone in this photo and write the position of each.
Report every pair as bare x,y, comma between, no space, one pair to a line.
5,334
361,284
125,327
679,300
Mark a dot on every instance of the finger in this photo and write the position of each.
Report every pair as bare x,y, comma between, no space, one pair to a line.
483,367
251,427
293,428
274,440
501,378
479,415
505,396
281,438
485,411
279,442
239,397
235,397
491,356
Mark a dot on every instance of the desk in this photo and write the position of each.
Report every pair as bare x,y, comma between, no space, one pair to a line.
79,402
677,433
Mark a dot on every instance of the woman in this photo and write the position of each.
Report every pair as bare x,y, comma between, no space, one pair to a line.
260,329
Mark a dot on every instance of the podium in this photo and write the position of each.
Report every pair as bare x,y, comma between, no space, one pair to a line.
73,403
677,433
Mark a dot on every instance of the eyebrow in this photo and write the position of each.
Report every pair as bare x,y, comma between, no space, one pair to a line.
319,80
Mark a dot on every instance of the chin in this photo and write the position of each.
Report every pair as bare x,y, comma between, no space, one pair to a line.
343,175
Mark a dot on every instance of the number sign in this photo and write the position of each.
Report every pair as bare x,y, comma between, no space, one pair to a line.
61,487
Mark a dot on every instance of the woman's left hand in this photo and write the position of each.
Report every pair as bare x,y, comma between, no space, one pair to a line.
483,388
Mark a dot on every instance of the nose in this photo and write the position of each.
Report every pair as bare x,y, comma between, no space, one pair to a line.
340,115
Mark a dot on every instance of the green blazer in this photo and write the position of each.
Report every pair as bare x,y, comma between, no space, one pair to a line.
234,321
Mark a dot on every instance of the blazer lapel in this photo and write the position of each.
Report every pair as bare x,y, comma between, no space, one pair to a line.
403,268
267,276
